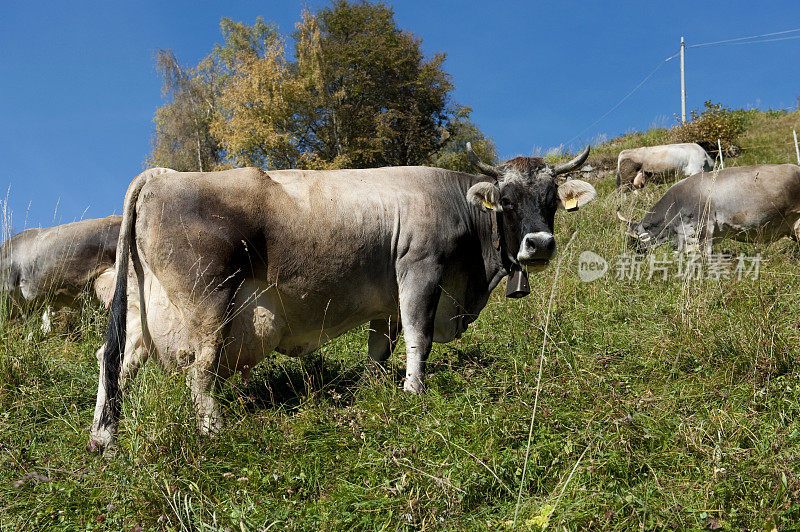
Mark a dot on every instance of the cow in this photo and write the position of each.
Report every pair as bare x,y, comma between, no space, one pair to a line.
757,203
53,266
634,165
216,270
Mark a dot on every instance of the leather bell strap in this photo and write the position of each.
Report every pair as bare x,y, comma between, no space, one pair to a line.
517,285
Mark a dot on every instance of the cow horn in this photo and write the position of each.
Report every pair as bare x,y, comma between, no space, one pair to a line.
486,169
573,164
622,218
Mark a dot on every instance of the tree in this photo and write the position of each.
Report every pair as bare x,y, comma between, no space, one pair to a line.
452,151
183,139
358,93
371,97
255,122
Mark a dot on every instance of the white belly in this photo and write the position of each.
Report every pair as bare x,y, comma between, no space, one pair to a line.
256,325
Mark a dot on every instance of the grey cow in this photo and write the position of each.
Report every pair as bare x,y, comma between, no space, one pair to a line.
635,165
244,262
55,265
747,203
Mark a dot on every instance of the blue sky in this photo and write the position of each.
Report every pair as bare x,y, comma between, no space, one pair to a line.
78,88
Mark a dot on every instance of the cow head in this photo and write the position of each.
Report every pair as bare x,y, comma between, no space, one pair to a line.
526,197
7,272
10,296
641,237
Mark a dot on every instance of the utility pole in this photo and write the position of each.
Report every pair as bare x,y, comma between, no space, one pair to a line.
683,85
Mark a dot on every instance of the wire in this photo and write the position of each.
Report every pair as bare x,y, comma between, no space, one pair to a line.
761,41
729,42
746,38
650,75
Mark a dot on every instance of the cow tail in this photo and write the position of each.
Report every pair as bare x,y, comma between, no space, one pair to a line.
117,322
618,176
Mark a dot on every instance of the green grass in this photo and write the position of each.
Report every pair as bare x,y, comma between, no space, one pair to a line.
677,405
768,139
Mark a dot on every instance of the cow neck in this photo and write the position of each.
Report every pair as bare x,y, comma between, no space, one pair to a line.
517,285
498,242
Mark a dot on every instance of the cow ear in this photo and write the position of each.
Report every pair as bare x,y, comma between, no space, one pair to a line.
485,196
575,193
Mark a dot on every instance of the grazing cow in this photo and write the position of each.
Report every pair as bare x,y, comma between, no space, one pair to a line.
229,266
747,203
634,165
55,265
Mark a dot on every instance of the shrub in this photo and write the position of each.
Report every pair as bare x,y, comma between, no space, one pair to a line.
714,122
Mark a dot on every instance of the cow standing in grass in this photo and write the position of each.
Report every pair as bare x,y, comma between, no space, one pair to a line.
230,266
53,266
757,203
636,165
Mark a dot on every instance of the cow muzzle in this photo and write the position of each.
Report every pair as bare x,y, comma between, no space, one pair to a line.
536,250
639,241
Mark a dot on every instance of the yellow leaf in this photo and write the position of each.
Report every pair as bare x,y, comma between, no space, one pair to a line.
542,519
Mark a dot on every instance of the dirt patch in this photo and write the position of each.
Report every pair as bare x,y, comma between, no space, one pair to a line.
595,169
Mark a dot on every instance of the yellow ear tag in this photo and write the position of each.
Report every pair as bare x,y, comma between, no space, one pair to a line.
488,205
571,204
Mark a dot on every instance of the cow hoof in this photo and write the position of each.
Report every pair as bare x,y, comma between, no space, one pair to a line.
210,426
98,448
414,385
102,442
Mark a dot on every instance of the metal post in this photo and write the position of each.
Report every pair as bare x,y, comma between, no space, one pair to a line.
683,85
721,162
796,149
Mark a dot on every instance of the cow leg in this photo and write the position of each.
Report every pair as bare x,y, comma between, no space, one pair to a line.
796,231
131,363
135,352
101,438
47,324
706,238
419,297
203,374
132,360
383,335
202,381
682,239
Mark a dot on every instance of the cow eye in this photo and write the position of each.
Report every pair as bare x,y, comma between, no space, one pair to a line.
506,204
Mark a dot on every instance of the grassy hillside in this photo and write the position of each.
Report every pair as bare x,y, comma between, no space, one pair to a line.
767,138
662,404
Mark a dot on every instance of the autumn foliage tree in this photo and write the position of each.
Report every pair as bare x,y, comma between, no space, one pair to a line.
372,98
358,92
255,121
454,135
183,139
